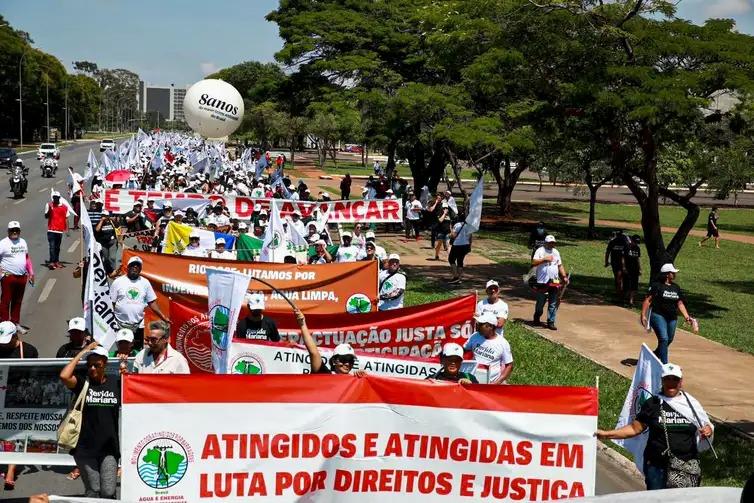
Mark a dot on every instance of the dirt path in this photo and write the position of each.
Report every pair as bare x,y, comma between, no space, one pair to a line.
718,376
724,236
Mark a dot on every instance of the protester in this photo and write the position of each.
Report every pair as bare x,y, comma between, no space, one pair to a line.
56,214
124,344
78,339
614,256
342,360
220,252
104,234
345,187
378,250
16,270
391,285
12,347
551,275
347,252
98,449
194,249
130,295
491,349
158,356
321,255
136,220
660,309
442,230
256,325
461,237
495,305
537,238
451,360
632,262
679,429
712,230
413,216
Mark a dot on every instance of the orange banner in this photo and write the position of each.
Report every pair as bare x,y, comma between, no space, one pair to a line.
318,289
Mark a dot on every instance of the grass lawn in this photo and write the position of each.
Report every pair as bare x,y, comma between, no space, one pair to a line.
718,289
355,168
739,221
542,362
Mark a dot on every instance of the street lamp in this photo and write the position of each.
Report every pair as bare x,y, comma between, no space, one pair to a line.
20,103
47,103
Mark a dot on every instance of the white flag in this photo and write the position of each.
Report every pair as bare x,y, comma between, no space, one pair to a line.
91,167
98,307
275,246
474,218
227,293
647,381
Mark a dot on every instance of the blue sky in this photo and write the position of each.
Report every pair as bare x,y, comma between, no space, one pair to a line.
181,41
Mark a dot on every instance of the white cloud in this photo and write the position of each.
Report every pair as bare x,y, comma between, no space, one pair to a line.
727,8
208,68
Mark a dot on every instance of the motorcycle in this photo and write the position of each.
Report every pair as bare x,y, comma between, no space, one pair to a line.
49,167
18,183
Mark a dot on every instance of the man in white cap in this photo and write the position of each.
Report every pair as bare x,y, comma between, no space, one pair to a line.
219,218
491,349
124,344
130,295
194,248
256,325
56,214
495,305
11,346
298,224
413,216
451,360
551,276
347,252
321,255
136,220
379,251
391,284
78,339
220,252
16,270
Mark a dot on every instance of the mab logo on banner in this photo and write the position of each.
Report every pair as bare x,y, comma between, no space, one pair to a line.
247,364
219,317
162,459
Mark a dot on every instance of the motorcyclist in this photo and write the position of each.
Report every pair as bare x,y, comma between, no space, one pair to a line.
20,164
18,175
51,162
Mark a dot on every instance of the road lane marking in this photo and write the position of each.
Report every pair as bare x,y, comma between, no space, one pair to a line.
73,246
46,290
43,189
19,201
58,182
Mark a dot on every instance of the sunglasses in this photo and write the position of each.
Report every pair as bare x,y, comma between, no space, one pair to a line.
150,340
345,361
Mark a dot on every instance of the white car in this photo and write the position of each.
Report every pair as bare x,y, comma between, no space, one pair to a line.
48,150
106,145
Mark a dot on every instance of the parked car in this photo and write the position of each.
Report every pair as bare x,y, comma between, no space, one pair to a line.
106,145
48,149
7,157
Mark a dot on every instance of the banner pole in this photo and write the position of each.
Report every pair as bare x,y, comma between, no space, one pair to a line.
293,306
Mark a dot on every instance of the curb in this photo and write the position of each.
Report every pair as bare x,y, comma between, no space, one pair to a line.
628,466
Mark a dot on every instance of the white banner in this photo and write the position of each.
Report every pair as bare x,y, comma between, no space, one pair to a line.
227,292
327,438
647,381
252,357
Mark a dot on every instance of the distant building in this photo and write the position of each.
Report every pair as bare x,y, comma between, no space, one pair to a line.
167,101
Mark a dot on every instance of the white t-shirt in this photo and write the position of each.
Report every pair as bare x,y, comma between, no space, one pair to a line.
257,192
495,352
220,220
224,255
499,309
379,252
347,254
359,240
547,271
396,282
194,252
130,298
13,256
462,234
413,210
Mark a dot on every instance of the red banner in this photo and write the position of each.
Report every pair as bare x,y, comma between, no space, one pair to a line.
418,331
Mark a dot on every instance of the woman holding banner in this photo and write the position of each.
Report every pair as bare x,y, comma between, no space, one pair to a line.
342,359
679,429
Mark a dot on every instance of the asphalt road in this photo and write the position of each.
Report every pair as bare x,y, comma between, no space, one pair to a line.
55,298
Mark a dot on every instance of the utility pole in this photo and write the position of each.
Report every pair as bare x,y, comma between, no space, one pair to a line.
66,109
47,103
20,103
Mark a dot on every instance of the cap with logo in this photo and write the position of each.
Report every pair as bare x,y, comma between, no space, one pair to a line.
452,349
77,323
492,283
98,351
486,317
243,225
134,260
671,369
124,334
220,241
343,350
346,234
256,302
668,268
167,204
369,235
393,256
7,331
549,238
14,224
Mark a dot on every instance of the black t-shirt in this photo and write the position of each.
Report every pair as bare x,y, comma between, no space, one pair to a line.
68,350
324,369
665,299
264,329
632,256
441,375
712,221
616,247
681,433
29,351
99,428
139,224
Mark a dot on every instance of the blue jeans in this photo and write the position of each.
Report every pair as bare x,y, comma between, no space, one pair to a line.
54,239
665,332
551,296
654,476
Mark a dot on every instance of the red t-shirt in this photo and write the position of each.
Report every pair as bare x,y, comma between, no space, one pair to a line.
57,218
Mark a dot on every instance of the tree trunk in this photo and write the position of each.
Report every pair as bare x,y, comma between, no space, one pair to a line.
457,174
590,232
418,168
436,167
391,146
505,183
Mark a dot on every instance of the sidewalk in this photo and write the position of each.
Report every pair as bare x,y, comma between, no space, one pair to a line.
724,236
719,377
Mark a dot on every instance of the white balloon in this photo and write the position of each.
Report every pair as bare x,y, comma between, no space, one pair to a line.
213,108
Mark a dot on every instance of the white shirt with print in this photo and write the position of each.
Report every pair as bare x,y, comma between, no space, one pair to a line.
389,285
499,309
547,271
130,298
495,352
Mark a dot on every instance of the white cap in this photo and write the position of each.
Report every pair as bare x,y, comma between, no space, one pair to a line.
343,350
255,301
54,193
194,235
135,260
263,212
452,349
364,190
346,234
393,256
257,207
76,324
389,191
671,369
549,238
486,317
320,242
179,213
99,351
124,334
490,283
220,241
242,225
14,224
7,331
669,268
369,234
167,204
